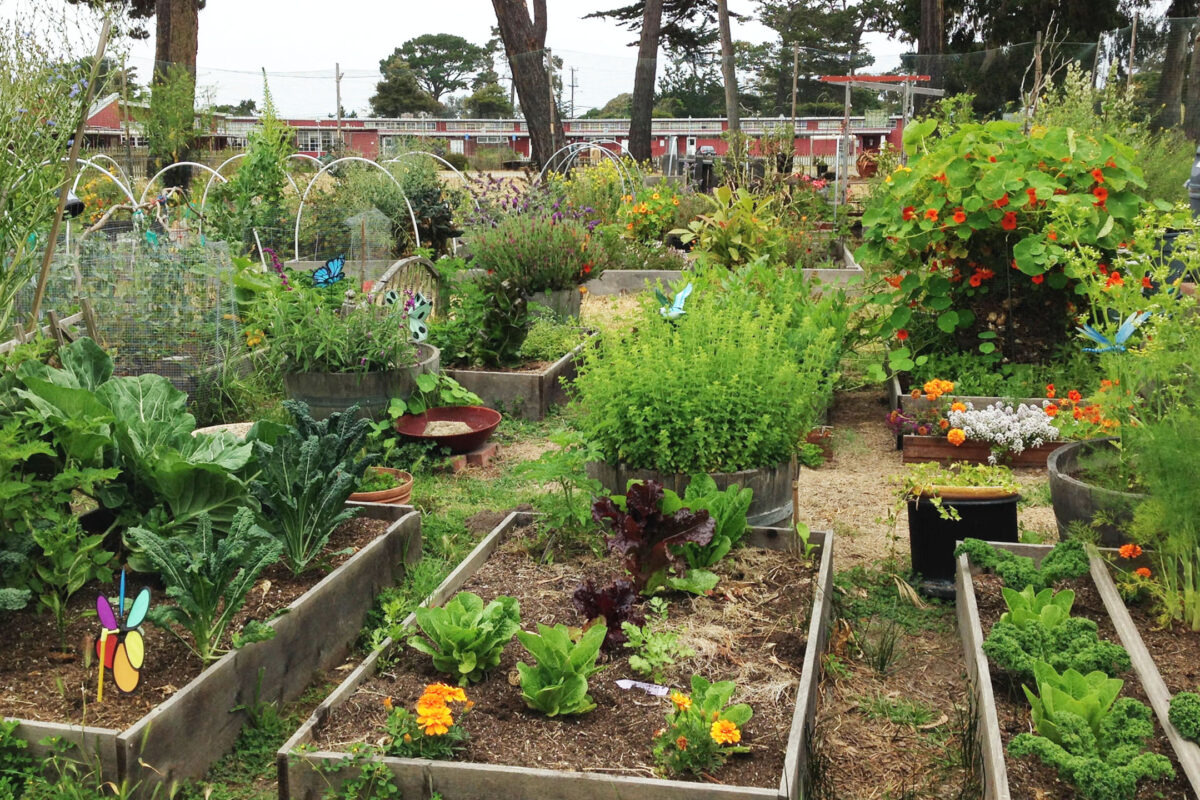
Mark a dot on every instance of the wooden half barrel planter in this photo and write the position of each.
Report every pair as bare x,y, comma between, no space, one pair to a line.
1076,500
988,731
189,731
528,395
306,773
772,486
327,392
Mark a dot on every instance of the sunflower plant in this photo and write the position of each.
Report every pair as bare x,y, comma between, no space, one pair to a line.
974,234
702,731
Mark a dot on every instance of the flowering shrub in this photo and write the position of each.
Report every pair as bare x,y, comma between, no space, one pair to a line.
739,228
538,251
431,732
1006,429
701,730
648,215
975,232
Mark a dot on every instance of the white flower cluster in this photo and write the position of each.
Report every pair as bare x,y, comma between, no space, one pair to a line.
1006,429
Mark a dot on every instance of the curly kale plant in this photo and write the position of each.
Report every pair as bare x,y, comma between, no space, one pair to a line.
1063,643
558,684
1185,715
1102,766
646,531
466,637
1066,561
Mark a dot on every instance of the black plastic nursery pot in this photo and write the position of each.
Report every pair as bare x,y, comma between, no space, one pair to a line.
932,539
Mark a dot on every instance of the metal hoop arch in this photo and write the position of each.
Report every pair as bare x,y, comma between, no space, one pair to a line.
159,174
91,162
455,169
322,171
217,174
572,151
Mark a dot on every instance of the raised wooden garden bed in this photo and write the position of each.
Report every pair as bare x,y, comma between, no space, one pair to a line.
307,770
772,486
528,395
918,449
898,398
996,723
196,724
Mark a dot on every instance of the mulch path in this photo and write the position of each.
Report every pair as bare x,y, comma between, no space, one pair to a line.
41,681
1029,777
752,630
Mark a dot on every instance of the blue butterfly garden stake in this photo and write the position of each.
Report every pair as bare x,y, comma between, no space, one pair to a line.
120,646
672,309
330,273
1117,345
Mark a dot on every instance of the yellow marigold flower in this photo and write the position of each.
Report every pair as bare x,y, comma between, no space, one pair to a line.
725,732
435,722
675,201
958,406
681,701
654,196
681,743
408,737
446,693
387,703
956,436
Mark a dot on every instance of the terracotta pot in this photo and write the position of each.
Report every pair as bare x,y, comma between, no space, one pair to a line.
398,496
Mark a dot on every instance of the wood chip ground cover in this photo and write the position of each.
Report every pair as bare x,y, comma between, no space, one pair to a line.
752,631
40,681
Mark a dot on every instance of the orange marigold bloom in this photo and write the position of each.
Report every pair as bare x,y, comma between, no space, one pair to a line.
943,424
446,693
1130,551
387,703
1142,571
915,393
956,437
957,406
681,743
681,701
725,732
434,721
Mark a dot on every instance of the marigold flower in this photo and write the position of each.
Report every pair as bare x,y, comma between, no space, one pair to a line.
956,436
1051,410
725,732
902,335
445,693
922,430
1143,572
1009,221
629,227
943,424
909,212
674,201
681,701
1038,278
915,393
1074,396
681,743
408,737
654,196
960,217
1050,390
434,721
1130,551
958,406
931,214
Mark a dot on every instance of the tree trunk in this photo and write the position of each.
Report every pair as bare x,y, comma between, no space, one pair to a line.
1170,87
728,67
176,40
642,108
525,44
931,44
1191,116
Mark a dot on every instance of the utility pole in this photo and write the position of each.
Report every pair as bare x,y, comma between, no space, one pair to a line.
337,79
550,81
125,115
795,76
573,85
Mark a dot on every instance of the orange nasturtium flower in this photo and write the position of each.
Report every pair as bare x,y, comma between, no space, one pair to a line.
725,732
1142,571
1050,391
1130,551
1074,396
960,217
1051,410
956,437
931,214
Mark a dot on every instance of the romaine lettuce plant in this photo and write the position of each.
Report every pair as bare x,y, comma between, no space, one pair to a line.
209,583
728,510
558,684
466,637
1049,607
644,535
1089,697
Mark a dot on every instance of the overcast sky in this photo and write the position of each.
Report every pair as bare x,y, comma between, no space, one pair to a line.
299,41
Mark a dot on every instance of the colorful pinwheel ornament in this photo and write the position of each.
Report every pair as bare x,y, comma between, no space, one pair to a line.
121,647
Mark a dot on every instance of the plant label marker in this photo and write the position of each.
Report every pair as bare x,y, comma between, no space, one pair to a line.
648,688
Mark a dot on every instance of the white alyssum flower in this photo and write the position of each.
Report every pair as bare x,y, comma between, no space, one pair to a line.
1006,429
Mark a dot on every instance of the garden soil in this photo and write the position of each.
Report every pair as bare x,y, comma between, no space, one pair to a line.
41,681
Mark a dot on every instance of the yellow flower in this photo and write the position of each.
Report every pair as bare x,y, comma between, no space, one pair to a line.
445,693
956,436
675,201
725,732
681,701
434,721
654,196
387,703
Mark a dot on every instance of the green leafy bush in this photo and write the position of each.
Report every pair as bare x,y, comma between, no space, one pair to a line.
16,765
538,251
1067,560
549,340
209,580
1103,766
485,325
734,383
558,684
306,474
728,511
1185,715
566,502
465,636
702,731
69,559
738,228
